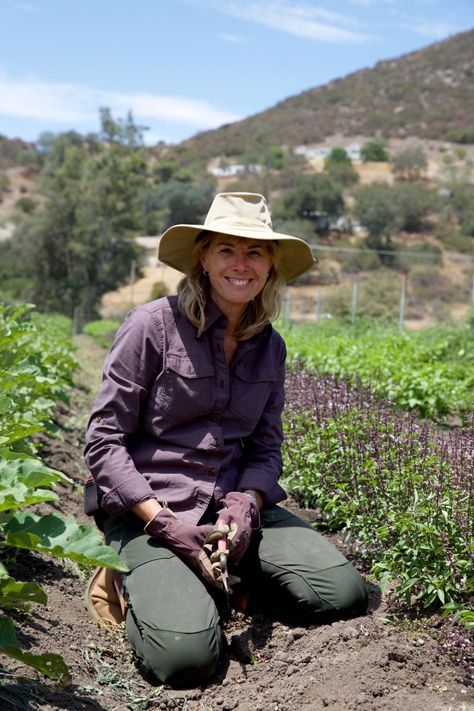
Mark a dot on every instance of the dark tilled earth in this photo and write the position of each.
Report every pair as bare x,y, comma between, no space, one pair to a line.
381,661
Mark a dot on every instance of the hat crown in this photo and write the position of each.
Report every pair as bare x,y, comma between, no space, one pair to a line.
244,208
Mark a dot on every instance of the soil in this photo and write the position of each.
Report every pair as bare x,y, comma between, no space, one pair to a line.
380,661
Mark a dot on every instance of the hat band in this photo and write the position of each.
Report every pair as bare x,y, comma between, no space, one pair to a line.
242,223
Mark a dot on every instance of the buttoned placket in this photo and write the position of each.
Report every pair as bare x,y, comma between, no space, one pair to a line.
222,392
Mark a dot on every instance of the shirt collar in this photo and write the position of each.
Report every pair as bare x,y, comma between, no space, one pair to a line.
213,314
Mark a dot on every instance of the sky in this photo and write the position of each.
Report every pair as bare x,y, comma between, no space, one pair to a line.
184,66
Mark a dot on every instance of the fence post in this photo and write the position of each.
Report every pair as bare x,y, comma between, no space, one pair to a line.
355,289
402,303
318,304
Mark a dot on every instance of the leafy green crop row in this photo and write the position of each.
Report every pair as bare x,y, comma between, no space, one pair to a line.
403,492
430,371
37,363
102,331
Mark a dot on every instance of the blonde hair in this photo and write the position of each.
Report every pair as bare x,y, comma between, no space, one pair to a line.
194,289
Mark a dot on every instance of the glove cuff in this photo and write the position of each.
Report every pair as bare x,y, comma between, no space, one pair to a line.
159,525
248,503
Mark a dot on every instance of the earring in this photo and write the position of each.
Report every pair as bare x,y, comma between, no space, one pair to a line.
205,273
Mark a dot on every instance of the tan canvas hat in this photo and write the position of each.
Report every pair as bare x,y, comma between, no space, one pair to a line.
240,215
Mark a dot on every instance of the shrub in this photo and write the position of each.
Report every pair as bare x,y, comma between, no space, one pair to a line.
428,285
158,289
26,205
410,164
378,296
413,203
375,150
364,261
419,254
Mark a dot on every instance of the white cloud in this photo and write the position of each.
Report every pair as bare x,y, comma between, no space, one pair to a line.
302,20
68,103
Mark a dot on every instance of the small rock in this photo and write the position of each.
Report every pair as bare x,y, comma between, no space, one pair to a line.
349,633
282,657
297,633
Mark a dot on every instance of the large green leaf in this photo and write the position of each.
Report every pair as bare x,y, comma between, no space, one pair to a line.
60,537
14,497
32,472
17,595
52,665
20,482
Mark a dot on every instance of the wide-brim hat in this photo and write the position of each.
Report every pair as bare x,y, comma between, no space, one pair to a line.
239,215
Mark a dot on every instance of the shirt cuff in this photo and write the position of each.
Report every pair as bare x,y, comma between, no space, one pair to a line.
120,499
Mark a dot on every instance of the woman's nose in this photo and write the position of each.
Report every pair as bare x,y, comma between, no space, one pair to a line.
240,261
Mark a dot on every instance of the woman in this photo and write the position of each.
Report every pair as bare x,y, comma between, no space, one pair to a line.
184,446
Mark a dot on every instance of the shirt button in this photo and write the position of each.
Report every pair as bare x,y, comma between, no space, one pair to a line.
216,443
98,418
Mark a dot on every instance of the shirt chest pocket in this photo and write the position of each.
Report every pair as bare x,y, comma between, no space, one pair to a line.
186,387
250,390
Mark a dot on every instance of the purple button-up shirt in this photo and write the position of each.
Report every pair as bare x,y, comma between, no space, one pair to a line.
174,421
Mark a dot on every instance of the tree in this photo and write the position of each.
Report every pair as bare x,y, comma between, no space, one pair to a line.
409,164
376,210
338,166
337,155
82,243
414,202
313,193
375,151
174,203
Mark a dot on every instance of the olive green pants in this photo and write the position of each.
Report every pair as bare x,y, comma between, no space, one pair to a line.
173,618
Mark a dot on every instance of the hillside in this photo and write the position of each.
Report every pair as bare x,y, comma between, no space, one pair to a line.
428,93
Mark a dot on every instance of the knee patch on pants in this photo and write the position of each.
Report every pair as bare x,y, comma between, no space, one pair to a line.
177,658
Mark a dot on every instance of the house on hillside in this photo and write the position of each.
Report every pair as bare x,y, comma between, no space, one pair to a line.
320,152
235,169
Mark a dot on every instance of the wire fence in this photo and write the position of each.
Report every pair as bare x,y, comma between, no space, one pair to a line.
418,293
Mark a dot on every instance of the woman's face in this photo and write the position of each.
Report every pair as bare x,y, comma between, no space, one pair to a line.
238,269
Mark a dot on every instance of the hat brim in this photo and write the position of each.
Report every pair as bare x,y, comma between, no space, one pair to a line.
177,244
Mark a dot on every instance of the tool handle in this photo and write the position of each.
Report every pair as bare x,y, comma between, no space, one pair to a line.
222,542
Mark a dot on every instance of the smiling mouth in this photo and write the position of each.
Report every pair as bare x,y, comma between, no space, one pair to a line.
239,282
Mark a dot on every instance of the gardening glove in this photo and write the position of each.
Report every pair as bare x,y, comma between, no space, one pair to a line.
242,516
196,545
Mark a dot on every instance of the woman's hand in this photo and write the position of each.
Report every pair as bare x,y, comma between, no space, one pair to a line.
242,515
196,545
